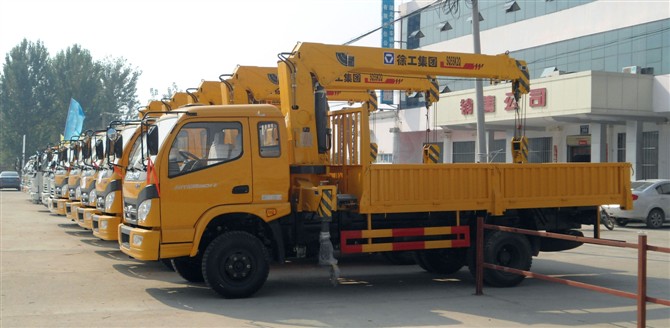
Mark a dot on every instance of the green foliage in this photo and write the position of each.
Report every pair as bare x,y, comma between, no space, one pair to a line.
35,92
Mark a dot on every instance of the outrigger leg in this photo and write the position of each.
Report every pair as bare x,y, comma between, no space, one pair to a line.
326,246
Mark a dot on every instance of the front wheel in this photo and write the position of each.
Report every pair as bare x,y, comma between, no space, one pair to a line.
655,218
509,250
189,268
235,264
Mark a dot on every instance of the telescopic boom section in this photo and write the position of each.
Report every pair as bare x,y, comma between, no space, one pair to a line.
254,84
313,64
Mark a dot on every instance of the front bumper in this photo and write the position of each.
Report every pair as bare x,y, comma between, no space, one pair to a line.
139,243
84,219
57,205
71,210
105,227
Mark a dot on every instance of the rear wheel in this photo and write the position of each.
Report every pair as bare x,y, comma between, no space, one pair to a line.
655,218
235,264
399,258
189,268
442,261
509,250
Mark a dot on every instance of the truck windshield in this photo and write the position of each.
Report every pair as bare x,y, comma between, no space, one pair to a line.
126,134
164,127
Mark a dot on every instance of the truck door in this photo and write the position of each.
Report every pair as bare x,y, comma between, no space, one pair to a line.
208,164
270,161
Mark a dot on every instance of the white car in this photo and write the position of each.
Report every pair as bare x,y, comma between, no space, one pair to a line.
651,204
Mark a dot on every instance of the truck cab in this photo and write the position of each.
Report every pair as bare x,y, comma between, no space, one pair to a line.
93,153
233,156
59,189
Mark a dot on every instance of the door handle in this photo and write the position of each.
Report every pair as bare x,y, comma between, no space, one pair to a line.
244,189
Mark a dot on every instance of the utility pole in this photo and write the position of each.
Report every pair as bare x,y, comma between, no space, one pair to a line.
481,155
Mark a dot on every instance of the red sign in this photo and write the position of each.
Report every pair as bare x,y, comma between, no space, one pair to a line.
489,104
510,103
467,106
538,97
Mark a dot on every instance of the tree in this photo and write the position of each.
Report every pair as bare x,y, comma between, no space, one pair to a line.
26,99
117,96
76,76
35,92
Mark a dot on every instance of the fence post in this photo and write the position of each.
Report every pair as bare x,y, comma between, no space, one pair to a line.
479,262
641,279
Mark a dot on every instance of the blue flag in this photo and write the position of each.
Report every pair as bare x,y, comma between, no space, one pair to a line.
75,120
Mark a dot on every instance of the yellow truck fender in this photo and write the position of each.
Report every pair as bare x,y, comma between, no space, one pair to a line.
265,212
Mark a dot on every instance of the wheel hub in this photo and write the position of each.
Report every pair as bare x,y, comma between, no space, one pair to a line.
505,257
237,266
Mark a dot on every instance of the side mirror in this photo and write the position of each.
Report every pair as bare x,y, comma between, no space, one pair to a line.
118,147
99,149
112,134
63,155
152,140
86,151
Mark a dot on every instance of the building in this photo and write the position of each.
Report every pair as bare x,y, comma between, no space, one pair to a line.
600,83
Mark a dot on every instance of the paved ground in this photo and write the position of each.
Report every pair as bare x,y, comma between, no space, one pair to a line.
54,274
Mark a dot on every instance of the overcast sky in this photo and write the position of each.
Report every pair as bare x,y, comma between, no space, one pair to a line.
186,41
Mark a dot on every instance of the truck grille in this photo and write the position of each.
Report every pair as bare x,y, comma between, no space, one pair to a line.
125,237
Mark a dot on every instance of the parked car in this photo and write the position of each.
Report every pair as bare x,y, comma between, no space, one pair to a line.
651,204
10,179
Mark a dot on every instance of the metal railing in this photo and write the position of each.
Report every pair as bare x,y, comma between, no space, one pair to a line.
641,246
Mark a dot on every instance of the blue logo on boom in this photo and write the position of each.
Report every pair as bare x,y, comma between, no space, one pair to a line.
389,58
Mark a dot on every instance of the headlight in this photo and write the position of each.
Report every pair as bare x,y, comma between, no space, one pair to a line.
137,240
77,193
92,197
63,191
143,210
103,224
109,201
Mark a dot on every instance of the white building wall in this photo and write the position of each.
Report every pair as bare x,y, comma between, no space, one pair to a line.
602,16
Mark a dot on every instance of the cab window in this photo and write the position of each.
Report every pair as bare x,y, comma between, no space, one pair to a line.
268,139
204,144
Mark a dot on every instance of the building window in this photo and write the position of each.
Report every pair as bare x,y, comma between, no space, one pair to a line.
498,151
650,155
384,159
413,26
539,150
464,152
621,147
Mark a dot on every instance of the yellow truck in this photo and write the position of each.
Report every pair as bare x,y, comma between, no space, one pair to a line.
108,212
77,169
59,194
93,158
108,200
293,177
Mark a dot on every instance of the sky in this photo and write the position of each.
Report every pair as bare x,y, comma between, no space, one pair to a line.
185,42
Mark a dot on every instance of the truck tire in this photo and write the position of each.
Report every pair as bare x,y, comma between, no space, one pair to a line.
655,218
235,264
399,258
442,261
168,264
510,250
189,268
